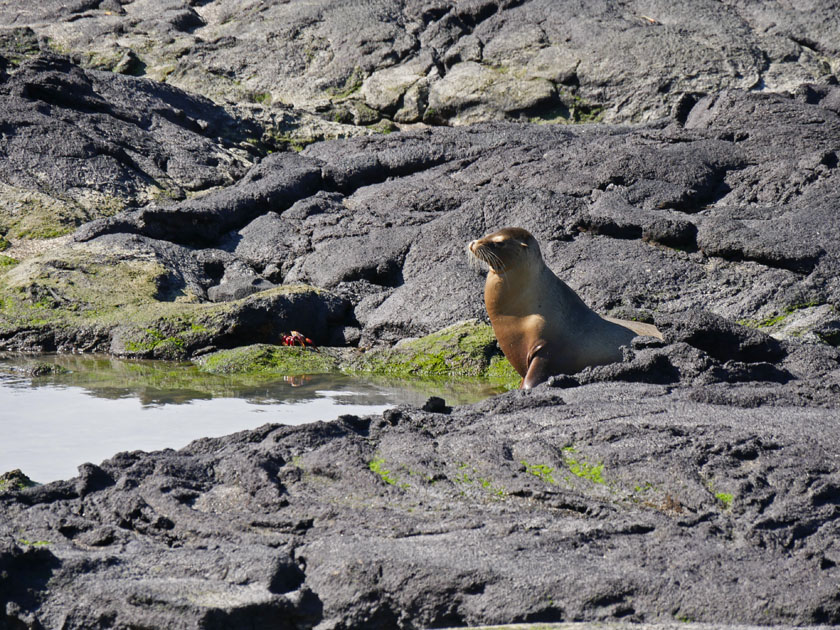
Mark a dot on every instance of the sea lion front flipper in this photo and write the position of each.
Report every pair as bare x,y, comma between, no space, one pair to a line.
538,369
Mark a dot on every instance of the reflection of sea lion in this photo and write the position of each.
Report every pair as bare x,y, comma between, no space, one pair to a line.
543,327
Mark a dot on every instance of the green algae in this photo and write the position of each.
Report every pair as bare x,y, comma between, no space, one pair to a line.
771,321
263,98
268,360
19,44
34,543
581,468
465,349
542,472
30,214
377,466
130,305
15,480
134,301
469,476
572,109
725,498
459,352
155,340
352,84
585,470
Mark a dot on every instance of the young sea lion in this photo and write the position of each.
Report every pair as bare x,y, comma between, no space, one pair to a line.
542,326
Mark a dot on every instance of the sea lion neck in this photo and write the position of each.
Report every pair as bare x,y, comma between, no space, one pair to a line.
503,290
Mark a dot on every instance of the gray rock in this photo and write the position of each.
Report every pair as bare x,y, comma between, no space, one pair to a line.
695,480
480,60
663,218
238,281
471,92
80,145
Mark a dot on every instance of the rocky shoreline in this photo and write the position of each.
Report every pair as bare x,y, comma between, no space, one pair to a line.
193,179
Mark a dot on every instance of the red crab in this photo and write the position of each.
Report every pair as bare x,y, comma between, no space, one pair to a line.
295,339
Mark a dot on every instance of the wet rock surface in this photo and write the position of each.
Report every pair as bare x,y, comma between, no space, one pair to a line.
696,480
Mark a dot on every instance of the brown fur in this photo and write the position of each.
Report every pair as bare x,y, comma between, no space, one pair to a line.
542,326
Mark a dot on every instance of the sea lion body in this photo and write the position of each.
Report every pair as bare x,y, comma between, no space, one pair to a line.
542,326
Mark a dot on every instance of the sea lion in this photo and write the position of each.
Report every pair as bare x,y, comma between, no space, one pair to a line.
542,326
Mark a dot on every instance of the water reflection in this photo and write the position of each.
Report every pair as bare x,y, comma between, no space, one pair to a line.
173,383
58,411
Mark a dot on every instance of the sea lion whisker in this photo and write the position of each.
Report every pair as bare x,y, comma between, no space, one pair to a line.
474,261
486,256
499,266
496,262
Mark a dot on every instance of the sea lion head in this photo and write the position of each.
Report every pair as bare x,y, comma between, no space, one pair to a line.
506,249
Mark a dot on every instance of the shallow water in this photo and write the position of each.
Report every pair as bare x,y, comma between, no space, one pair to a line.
100,406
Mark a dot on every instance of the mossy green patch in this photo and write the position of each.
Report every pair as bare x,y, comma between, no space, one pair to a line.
770,322
7,261
275,139
583,469
15,480
18,44
352,84
725,498
586,113
267,359
582,111
155,340
466,349
29,214
469,475
457,353
34,543
135,306
44,368
831,337
643,488
572,109
502,372
384,127
541,471
132,299
431,116
76,287
377,466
